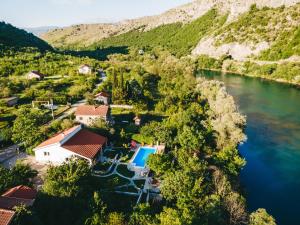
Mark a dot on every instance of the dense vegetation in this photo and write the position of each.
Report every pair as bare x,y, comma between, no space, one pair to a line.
20,38
177,38
196,120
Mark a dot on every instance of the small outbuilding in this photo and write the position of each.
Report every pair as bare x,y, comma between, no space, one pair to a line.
35,75
102,97
137,120
85,69
11,101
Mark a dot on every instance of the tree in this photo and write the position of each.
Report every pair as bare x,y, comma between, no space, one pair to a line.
170,216
142,215
20,174
26,128
115,218
98,209
160,164
261,217
5,134
69,179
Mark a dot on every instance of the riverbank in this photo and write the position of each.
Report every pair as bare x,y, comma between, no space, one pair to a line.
272,147
282,81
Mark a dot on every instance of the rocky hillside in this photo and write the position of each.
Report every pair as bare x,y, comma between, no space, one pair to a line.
87,34
252,28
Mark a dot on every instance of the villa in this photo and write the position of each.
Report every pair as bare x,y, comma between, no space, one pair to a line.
102,97
75,142
85,69
87,114
35,75
20,195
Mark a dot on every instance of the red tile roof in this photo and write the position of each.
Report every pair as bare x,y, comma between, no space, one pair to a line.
90,110
21,191
85,143
104,94
58,137
38,73
6,216
10,203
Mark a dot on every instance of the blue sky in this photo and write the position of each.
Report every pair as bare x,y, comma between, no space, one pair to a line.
35,13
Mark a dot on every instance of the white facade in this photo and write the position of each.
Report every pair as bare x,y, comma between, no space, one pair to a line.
88,119
103,99
55,153
85,69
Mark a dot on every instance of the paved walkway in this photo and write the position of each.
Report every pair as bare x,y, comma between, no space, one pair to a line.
8,153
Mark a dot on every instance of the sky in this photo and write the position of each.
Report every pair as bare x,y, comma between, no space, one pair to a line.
36,13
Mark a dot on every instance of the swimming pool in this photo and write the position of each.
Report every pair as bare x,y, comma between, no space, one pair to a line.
142,156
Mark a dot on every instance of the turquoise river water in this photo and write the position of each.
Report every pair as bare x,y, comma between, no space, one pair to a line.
271,177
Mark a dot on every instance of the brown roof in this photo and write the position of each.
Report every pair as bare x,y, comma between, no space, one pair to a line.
85,143
10,203
21,191
104,94
58,137
90,110
6,216
37,73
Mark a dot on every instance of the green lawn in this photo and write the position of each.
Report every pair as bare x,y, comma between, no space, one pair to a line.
140,183
110,154
122,169
102,167
127,156
129,188
111,182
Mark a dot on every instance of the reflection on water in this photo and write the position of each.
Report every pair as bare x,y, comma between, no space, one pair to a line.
272,174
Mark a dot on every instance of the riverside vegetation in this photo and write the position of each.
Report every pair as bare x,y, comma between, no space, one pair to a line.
196,119
277,28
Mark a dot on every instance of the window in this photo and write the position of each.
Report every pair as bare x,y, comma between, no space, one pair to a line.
80,118
46,153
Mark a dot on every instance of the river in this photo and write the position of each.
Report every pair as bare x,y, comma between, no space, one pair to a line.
271,177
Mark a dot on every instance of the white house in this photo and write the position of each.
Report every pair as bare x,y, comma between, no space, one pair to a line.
102,97
35,75
74,142
85,69
87,114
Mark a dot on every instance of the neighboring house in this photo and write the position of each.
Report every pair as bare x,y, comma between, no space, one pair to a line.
35,75
11,101
20,195
85,69
102,97
75,142
87,114
137,120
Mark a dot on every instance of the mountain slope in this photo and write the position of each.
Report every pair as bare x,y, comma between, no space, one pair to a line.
259,29
87,34
11,36
178,38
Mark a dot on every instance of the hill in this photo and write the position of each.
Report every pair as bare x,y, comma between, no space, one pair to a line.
85,35
11,36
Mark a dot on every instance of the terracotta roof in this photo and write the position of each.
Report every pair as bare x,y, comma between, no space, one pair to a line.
58,137
10,203
21,191
85,143
84,65
37,73
90,110
104,94
6,216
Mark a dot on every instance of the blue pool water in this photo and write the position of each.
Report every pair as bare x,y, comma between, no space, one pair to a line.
142,156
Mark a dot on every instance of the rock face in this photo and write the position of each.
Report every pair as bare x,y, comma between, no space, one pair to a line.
87,34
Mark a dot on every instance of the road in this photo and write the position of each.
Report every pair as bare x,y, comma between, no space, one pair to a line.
71,110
